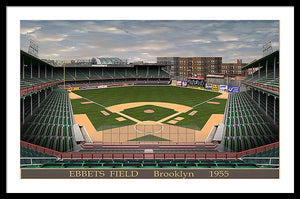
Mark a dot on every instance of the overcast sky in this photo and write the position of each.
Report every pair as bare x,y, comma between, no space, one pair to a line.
138,40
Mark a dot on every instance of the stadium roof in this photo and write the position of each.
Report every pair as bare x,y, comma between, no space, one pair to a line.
108,60
34,57
262,61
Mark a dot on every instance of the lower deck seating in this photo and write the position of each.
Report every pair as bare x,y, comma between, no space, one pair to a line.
51,127
245,127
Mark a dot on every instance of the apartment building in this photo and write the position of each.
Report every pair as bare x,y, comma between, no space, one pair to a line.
233,68
199,66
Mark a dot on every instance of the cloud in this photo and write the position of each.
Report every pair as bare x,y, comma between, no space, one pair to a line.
148,39
227,37
200,41
25,30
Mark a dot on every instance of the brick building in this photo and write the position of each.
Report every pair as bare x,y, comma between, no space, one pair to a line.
199,66
233,68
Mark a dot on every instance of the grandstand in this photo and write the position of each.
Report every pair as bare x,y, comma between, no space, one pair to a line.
249,136
38,79
245,126
51,126
252,117
263,86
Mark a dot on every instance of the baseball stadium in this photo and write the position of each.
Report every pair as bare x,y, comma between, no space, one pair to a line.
114,114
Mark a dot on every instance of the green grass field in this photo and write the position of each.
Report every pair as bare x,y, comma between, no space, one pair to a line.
171,94
118,95
205,110
100,121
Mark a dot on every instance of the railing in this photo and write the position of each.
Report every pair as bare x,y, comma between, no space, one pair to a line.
201,155
30,89
35,158
273,88
268,159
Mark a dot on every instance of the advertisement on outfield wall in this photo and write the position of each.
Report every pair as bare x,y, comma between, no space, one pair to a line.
184,84
178,83
223,88
233,89
73,88
101,86
215,87
173,82
208,86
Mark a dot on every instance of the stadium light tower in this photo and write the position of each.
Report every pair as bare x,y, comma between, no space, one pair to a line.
33,45
267,48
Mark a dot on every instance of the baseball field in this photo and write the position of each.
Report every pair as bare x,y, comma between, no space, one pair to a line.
147,113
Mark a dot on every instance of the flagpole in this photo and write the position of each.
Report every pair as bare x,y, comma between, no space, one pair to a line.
227,83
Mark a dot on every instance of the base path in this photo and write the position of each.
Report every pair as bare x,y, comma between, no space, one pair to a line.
224,95
121,107
214,119
83,120
74,96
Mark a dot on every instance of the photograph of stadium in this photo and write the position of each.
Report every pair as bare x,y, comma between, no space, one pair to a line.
133,94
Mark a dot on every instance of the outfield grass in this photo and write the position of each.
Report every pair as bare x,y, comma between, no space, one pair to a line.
171,94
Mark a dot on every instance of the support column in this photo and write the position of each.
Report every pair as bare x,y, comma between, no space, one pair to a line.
39,100
266,68
266,104
45,74
147,71
75,72
51,72
114,72
23,67
136,71
30,68
31,105
39,70
274,67
23,108
274,117
252,71
259,98
89,73
158,71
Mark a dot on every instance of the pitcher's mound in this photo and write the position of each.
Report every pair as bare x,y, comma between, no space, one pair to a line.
148,111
